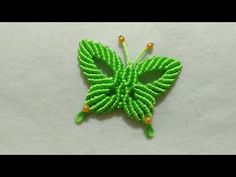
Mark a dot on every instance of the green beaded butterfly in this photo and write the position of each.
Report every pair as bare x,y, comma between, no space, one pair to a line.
124,90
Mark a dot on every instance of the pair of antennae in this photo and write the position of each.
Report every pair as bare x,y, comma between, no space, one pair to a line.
148,48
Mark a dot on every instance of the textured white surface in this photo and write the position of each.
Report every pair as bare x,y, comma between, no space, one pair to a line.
42,89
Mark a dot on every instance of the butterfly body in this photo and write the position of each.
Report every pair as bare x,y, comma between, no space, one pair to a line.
124,90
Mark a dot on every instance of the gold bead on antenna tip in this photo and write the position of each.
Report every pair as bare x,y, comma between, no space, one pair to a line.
150,46
121,39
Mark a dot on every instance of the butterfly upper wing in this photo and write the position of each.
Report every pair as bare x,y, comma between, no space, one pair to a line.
170,68
88,52
142,104
101,95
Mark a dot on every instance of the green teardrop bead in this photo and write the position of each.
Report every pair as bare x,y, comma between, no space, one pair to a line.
79,118
150,131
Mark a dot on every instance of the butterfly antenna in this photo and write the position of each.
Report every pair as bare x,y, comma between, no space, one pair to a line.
122,42
148,48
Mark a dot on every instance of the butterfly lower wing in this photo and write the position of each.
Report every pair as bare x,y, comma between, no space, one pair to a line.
102,98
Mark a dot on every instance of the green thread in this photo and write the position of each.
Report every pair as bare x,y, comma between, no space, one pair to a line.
140,55
124,90
126,54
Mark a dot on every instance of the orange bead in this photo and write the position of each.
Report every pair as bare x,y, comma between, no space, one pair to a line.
148,120
86,108
150,46
121,39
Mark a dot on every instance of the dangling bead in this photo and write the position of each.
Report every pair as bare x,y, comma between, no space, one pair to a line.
150,131
79,117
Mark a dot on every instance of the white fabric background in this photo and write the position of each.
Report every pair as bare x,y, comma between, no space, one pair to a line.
42,89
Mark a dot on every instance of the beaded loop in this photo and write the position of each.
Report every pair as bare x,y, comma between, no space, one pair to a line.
124,90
